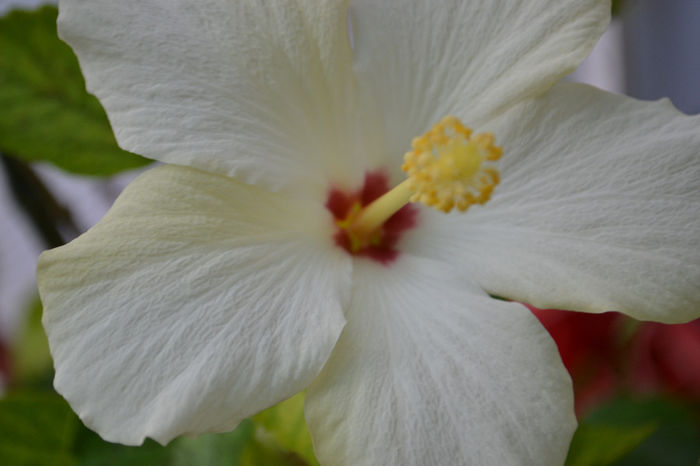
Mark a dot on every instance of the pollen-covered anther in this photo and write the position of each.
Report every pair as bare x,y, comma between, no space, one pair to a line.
449,167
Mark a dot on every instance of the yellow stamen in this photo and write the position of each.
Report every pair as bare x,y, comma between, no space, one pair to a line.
359,237
447,168
379,211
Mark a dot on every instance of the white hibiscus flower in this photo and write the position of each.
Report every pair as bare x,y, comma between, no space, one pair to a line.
238,276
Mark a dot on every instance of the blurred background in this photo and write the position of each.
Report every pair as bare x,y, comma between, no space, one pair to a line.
637,384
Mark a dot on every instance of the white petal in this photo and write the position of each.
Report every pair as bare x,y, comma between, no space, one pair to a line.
196,302
261,89
430,370
422,60
598,209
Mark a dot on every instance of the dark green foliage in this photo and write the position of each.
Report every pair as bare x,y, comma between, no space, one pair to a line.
46,114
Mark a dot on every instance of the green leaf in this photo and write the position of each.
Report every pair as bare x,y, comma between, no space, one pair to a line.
36,429
627,432
213,449
46,112
285,423
602,445
242,447
617,6
31,360
91,450
674,442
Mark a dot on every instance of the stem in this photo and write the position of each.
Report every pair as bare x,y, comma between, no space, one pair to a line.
51,220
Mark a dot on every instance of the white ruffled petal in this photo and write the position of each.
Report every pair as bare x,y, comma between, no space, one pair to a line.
598,209
422,60
430,370
260,89
196,302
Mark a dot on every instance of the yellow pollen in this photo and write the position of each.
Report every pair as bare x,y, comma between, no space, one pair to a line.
447,168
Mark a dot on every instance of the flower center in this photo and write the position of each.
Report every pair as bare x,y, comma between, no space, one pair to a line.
380,244
447,167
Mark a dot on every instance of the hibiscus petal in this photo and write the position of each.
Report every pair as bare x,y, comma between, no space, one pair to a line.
194,303
431,370
260,89
598,209
421,60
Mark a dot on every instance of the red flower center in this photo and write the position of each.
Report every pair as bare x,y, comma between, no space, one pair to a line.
380,245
